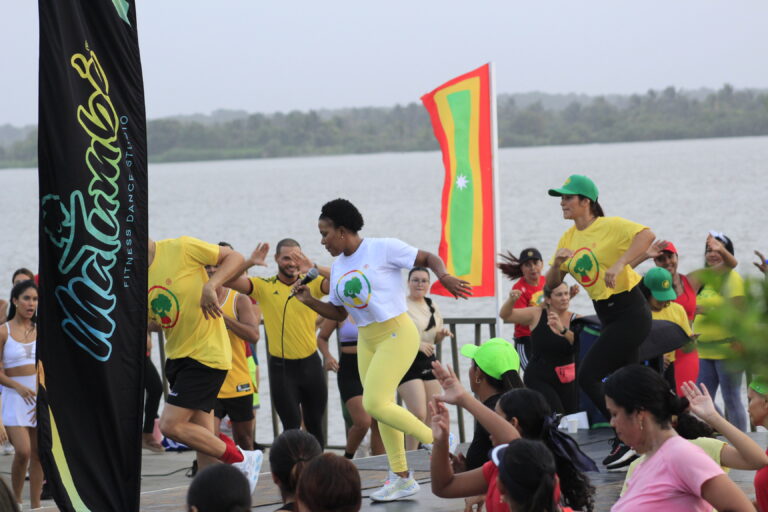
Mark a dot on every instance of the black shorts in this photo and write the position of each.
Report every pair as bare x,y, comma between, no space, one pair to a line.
420,369
193,384
238,409
348,377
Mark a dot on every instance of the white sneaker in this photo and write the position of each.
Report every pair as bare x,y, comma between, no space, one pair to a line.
8,449
396,488
250,466
453,443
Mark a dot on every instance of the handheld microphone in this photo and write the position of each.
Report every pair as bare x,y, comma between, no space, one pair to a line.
311,275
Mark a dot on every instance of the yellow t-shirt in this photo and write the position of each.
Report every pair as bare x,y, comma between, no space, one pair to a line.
596,249
175,283
238,381
711,446
712,339
674,313
299,341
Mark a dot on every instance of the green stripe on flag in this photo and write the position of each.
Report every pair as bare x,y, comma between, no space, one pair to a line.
462,207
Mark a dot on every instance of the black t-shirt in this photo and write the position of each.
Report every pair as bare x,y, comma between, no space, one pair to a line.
477,453
546,346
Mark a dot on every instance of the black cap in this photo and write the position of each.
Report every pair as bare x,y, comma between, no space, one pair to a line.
528,254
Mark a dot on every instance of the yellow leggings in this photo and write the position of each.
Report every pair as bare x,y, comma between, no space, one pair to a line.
385,351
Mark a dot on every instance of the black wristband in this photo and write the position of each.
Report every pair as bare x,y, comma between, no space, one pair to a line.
565,330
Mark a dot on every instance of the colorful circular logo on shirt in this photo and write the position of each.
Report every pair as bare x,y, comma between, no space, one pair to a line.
537,299
354,289
164,306
584,266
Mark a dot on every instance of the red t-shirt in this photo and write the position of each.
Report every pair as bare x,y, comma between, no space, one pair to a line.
532,296
687,299
493,501
761,488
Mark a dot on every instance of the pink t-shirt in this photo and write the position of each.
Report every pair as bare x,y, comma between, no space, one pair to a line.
670,480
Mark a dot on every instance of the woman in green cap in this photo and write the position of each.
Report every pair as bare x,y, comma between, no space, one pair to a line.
597,252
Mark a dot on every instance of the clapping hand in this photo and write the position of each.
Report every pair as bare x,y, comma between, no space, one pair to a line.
301,260
440,421
458,287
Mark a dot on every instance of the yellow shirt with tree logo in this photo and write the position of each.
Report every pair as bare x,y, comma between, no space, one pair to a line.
596,249
175,284
238,381
299,339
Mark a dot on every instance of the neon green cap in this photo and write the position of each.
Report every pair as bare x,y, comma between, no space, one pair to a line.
576,185
759,384
659,281
495,357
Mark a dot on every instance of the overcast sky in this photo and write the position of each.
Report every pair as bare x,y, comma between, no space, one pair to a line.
267,56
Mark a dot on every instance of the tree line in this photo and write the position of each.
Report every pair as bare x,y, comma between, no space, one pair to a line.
657,115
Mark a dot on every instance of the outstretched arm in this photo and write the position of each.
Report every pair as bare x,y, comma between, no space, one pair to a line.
743,452
454,393
522,316
240,281
459,288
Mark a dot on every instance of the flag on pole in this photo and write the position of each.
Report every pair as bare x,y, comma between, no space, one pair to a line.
93,253
461,116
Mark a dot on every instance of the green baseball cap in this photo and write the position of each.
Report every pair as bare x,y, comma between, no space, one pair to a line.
576,185
659,281
495,357
759,384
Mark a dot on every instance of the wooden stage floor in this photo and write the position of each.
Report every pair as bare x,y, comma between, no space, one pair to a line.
164,484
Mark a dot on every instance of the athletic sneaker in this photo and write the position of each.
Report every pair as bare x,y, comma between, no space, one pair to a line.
623,464
453,443
620,453
250,466
396,488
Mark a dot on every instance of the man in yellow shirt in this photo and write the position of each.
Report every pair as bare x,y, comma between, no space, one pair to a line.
296,379
182,302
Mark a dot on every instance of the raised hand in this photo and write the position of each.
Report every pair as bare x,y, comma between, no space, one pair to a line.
656,248
440,421
301,260
574,290
762,265
452,388
700,400
515,294
259,255
554,323
459,288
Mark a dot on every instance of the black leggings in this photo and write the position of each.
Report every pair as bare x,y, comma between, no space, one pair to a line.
298,386
562,398
154,388
626,319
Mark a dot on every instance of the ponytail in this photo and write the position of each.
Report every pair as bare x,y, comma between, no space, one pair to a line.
596,209
510,267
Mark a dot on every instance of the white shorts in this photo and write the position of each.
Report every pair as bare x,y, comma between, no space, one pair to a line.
16,412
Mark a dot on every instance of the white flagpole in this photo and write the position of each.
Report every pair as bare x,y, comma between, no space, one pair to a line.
496,203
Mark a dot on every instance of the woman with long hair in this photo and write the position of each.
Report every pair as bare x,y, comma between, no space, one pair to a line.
597,252
291,452
676,475
18,339
519,413
418,385
366,282
552,366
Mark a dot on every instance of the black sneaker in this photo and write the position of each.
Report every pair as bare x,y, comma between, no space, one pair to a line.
619,453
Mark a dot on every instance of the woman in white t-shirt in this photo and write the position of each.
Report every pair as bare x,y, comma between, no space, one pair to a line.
366,282
675,475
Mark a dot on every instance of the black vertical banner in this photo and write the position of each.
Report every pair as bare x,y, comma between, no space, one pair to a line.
93,253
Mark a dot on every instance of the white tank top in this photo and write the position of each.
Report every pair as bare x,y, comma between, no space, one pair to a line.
16,353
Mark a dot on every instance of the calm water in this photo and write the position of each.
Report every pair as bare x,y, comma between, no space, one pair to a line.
680,189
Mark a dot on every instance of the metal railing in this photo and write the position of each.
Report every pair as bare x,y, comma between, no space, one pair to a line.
455,343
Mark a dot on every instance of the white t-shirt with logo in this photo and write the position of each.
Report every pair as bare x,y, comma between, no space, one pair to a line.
368,283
